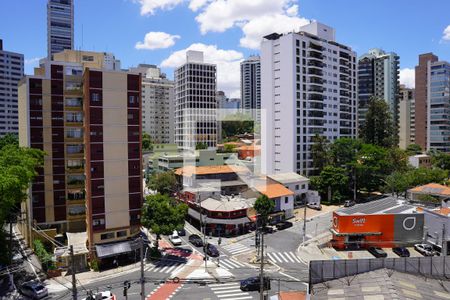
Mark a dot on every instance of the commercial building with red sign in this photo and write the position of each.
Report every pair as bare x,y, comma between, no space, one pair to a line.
383,223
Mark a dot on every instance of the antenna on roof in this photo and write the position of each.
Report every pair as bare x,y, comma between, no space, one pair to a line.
82,37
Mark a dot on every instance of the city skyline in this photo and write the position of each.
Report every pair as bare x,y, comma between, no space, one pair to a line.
231,37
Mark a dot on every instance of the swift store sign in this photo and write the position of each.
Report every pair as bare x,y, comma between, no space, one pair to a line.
358,221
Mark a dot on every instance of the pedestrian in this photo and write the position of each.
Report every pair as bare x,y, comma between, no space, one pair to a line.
115,263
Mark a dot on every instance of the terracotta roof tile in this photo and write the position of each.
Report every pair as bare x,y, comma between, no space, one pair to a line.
274,190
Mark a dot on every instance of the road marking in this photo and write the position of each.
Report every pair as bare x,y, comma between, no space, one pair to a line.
236,248
222,284
284,257
230,264
227,291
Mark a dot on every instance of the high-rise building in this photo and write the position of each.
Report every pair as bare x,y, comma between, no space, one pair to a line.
195,102
158,104
59,26
406,129
11,71
421,96
251,83
87,119
378,76
223,102
438,106
308,88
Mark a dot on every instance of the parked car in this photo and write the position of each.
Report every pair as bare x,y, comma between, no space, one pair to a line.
195,240
268,229
284,225
425,249
101,296
316,206
182,232
377,252
211,250
175,239
349,203
401,251
34,290
253,284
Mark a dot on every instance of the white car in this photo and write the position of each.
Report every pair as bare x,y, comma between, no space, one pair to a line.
424,249
175,239
101,296
34,290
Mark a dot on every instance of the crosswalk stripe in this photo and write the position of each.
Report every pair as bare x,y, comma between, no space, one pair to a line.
231,295
223,284
295,257
241,298
288,257
275,256
228,291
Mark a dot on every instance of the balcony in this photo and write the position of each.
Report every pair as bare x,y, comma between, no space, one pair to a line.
75,181
315,47
316,80
76,195
343,85
344,62
315,72
344,93
315,97
345,70
313,105
73,104
314,54
317,89
344,55
316,114
315,63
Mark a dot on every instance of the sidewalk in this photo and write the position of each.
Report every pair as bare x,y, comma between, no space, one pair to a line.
310,250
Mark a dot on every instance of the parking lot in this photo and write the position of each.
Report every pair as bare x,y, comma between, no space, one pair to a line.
358,254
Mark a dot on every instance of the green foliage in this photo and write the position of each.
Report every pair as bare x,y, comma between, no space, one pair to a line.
397,160
201,146
441,160
334,178
343,152
264,206
372,166
319,151
163,183
17,169
94,265
147,143
378,128
44,256
9,139
429,198
163,214
234,124
229,148
413,149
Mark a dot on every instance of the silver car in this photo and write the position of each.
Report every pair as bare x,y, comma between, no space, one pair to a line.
425,249
34,290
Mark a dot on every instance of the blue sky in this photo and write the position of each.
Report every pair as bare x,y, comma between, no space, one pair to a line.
228,30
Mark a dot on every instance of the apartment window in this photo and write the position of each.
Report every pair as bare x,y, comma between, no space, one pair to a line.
296,187
95,97
97,222
286,200
131,99
122,233
107,236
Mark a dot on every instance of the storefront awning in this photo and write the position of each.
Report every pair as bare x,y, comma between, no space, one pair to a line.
108,250
353,233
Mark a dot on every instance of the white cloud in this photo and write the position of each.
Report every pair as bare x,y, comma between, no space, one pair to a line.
255,29
32,61
157,40
292,11
446,34
407,77
227,61
148,7
195,5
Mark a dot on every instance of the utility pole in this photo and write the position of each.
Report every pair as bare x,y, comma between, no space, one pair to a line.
354,184
72,269
203,230
304,223
261,271
10,239
142,270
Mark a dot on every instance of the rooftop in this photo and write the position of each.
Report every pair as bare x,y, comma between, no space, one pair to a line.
227,203
382,284
286,178
273,190
432,189
205,170
387,205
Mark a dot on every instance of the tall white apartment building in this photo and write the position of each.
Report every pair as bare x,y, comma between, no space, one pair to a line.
308,87
59,26
251,83
158,104
195,102
11,71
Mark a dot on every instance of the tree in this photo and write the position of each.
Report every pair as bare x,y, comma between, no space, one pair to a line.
162,215
441,160
17,169
334,178
343,152
147,143
397,183
378,127
201,146
238,123
264,206
229,148
164,183
413,149
372,167
9,139
397,160
319,151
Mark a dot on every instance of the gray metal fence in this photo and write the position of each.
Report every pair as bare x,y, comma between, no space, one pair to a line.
432,266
